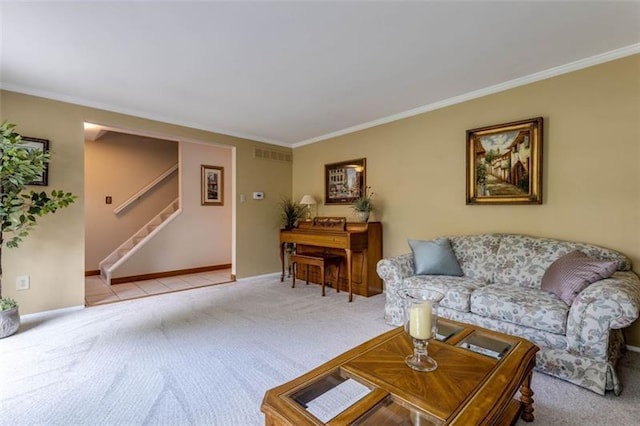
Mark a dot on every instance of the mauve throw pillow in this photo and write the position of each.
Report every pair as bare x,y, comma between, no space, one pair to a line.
573,272
434,257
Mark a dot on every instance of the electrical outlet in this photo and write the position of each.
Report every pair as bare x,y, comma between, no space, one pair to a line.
22,282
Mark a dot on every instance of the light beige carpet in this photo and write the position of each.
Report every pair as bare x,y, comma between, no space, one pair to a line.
206,357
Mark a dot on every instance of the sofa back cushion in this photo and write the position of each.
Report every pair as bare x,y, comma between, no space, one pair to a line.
476,255
434,257
522,260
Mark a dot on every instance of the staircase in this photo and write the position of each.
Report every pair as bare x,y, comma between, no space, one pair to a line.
137,240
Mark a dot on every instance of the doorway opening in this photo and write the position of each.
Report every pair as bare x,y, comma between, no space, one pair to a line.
147,230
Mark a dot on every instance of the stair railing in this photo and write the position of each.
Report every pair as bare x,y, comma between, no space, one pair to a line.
146,189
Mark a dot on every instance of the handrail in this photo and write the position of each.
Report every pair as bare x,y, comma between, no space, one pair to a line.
144,190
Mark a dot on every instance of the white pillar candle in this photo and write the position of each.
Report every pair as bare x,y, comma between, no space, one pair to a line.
420,320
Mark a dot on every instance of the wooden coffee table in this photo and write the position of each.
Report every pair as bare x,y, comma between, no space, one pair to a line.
478,376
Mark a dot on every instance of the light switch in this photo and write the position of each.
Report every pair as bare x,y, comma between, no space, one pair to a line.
22,282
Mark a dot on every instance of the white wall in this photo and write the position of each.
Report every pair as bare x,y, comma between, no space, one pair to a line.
201,235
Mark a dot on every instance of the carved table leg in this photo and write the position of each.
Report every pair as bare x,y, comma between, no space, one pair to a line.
526,399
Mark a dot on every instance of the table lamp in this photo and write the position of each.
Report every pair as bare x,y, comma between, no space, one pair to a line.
308,200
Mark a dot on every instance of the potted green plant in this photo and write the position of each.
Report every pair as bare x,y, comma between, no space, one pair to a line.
363,205
19,208
290,212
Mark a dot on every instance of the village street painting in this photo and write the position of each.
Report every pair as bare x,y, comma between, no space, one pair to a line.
503,163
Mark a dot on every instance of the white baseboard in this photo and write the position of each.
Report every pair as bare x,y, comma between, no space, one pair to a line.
633,348
53,312
271,275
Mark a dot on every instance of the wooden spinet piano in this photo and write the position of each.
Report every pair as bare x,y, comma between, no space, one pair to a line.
359,243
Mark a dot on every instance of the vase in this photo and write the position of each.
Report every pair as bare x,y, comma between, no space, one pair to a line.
420,323
362,216
9,322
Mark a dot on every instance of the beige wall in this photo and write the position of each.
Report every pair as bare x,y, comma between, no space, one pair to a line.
591,172
54,254
119,165
201,235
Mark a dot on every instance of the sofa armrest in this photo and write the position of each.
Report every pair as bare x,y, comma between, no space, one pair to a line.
393,271
611,303
396,268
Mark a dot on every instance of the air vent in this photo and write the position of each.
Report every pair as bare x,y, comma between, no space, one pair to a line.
268,154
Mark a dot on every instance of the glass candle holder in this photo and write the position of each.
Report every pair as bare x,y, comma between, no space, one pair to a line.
420,323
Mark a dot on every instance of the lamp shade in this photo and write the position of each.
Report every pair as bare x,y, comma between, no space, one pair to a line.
308,200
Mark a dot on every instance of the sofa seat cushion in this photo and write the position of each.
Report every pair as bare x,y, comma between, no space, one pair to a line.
456,290
529,307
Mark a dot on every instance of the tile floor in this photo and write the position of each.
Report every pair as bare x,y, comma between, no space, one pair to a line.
98,292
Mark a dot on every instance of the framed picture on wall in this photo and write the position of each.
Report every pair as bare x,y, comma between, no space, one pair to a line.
212,185
32,144
345,181
504,163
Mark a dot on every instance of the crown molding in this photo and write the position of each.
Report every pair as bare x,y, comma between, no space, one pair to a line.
135,113
521,81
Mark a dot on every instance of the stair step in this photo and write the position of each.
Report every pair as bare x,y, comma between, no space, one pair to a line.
134,241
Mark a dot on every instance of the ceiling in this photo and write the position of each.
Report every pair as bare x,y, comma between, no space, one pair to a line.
293,73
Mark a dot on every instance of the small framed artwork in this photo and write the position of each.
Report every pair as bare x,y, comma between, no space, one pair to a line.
504,163
212,185
32,144
345,181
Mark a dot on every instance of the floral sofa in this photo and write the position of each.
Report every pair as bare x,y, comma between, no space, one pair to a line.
500,289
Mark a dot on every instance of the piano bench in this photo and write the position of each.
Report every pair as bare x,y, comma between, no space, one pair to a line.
322,261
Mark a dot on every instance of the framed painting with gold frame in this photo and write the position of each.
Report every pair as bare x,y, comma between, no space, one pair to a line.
504,163
344,181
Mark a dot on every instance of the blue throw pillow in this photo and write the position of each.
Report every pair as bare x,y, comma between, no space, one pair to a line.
434,257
